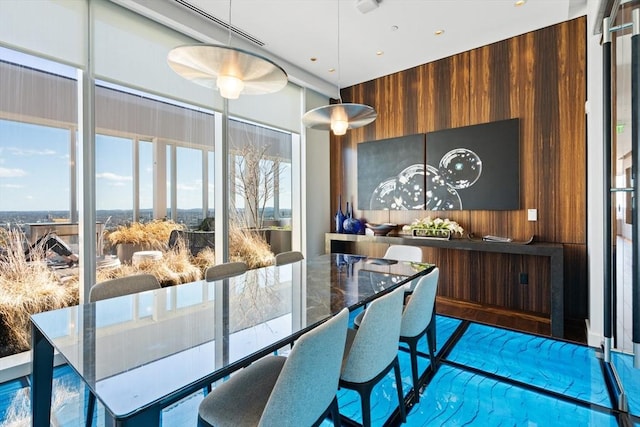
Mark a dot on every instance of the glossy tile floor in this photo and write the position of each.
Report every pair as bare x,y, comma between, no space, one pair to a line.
486,376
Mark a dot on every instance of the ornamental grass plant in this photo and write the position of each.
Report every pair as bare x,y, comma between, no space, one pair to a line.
26,288
154,234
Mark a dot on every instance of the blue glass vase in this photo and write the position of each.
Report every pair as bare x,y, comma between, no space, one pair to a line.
339,217
351,225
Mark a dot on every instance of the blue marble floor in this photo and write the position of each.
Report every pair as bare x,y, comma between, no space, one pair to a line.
485,376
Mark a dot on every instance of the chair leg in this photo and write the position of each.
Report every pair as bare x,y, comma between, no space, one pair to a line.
365,399
431,344
335,412
91,404
413,351
403,411
431,332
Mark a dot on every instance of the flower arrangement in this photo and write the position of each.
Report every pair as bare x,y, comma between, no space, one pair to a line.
438,224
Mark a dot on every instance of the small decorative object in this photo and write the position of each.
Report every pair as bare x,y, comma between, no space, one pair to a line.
351,225
381,229
339,217
437,228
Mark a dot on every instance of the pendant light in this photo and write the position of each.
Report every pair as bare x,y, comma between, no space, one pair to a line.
339,117
230,70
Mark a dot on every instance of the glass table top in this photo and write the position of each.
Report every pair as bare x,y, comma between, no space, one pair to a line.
136,350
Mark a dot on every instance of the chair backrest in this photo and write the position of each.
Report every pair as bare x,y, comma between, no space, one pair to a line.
123,286
309,378
288,257
376,342
223,271
404,253
417,313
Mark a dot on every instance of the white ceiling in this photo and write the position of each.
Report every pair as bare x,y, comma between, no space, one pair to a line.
294,31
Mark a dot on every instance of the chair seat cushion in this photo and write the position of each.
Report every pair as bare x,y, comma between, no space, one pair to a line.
240,401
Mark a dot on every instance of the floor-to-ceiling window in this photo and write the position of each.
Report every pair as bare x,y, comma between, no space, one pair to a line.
154,132
37,140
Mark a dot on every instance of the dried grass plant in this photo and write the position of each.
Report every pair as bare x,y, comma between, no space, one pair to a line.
27,288
154,234
249,246
175,267
204,259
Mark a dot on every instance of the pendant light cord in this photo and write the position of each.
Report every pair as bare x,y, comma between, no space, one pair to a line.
339,68
229,26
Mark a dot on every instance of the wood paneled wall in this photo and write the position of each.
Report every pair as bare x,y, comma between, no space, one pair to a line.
538,77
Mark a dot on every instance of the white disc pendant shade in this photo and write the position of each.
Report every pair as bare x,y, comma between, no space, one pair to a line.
339,117
231,71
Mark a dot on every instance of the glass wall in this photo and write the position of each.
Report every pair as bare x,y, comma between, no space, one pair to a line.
261,190
154,137
623,242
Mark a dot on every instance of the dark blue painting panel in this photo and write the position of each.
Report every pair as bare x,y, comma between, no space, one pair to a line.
474,167
391,174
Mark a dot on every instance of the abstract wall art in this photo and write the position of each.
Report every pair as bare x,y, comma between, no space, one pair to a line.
391,173
473,168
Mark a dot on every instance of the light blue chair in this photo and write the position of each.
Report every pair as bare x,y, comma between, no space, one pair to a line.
372,351
417,320
288,257
293,391
224,271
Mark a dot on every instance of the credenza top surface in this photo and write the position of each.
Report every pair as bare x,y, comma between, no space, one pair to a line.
463,243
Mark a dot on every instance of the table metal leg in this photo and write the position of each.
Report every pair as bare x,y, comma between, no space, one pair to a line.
41,378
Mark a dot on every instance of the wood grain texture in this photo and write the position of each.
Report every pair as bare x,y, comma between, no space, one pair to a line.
538,77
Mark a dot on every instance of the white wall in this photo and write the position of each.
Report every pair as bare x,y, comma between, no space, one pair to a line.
595,180
316,185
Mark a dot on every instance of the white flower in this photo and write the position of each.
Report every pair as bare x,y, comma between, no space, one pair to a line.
437,224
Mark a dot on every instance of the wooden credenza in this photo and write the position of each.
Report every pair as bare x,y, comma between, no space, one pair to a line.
552,284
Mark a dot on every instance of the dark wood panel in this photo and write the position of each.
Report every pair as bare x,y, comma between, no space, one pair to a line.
576,292
539,77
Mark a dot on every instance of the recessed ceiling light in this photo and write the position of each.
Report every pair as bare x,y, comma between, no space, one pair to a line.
313,59
332,70
438,32
394,28
379,53
519,2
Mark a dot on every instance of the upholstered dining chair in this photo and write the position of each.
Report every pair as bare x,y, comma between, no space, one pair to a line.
405,253
123,286
224,271
372,351
418,320
402,253
288,257
297,390
116,288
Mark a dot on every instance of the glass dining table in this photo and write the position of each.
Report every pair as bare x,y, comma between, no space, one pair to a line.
143,352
